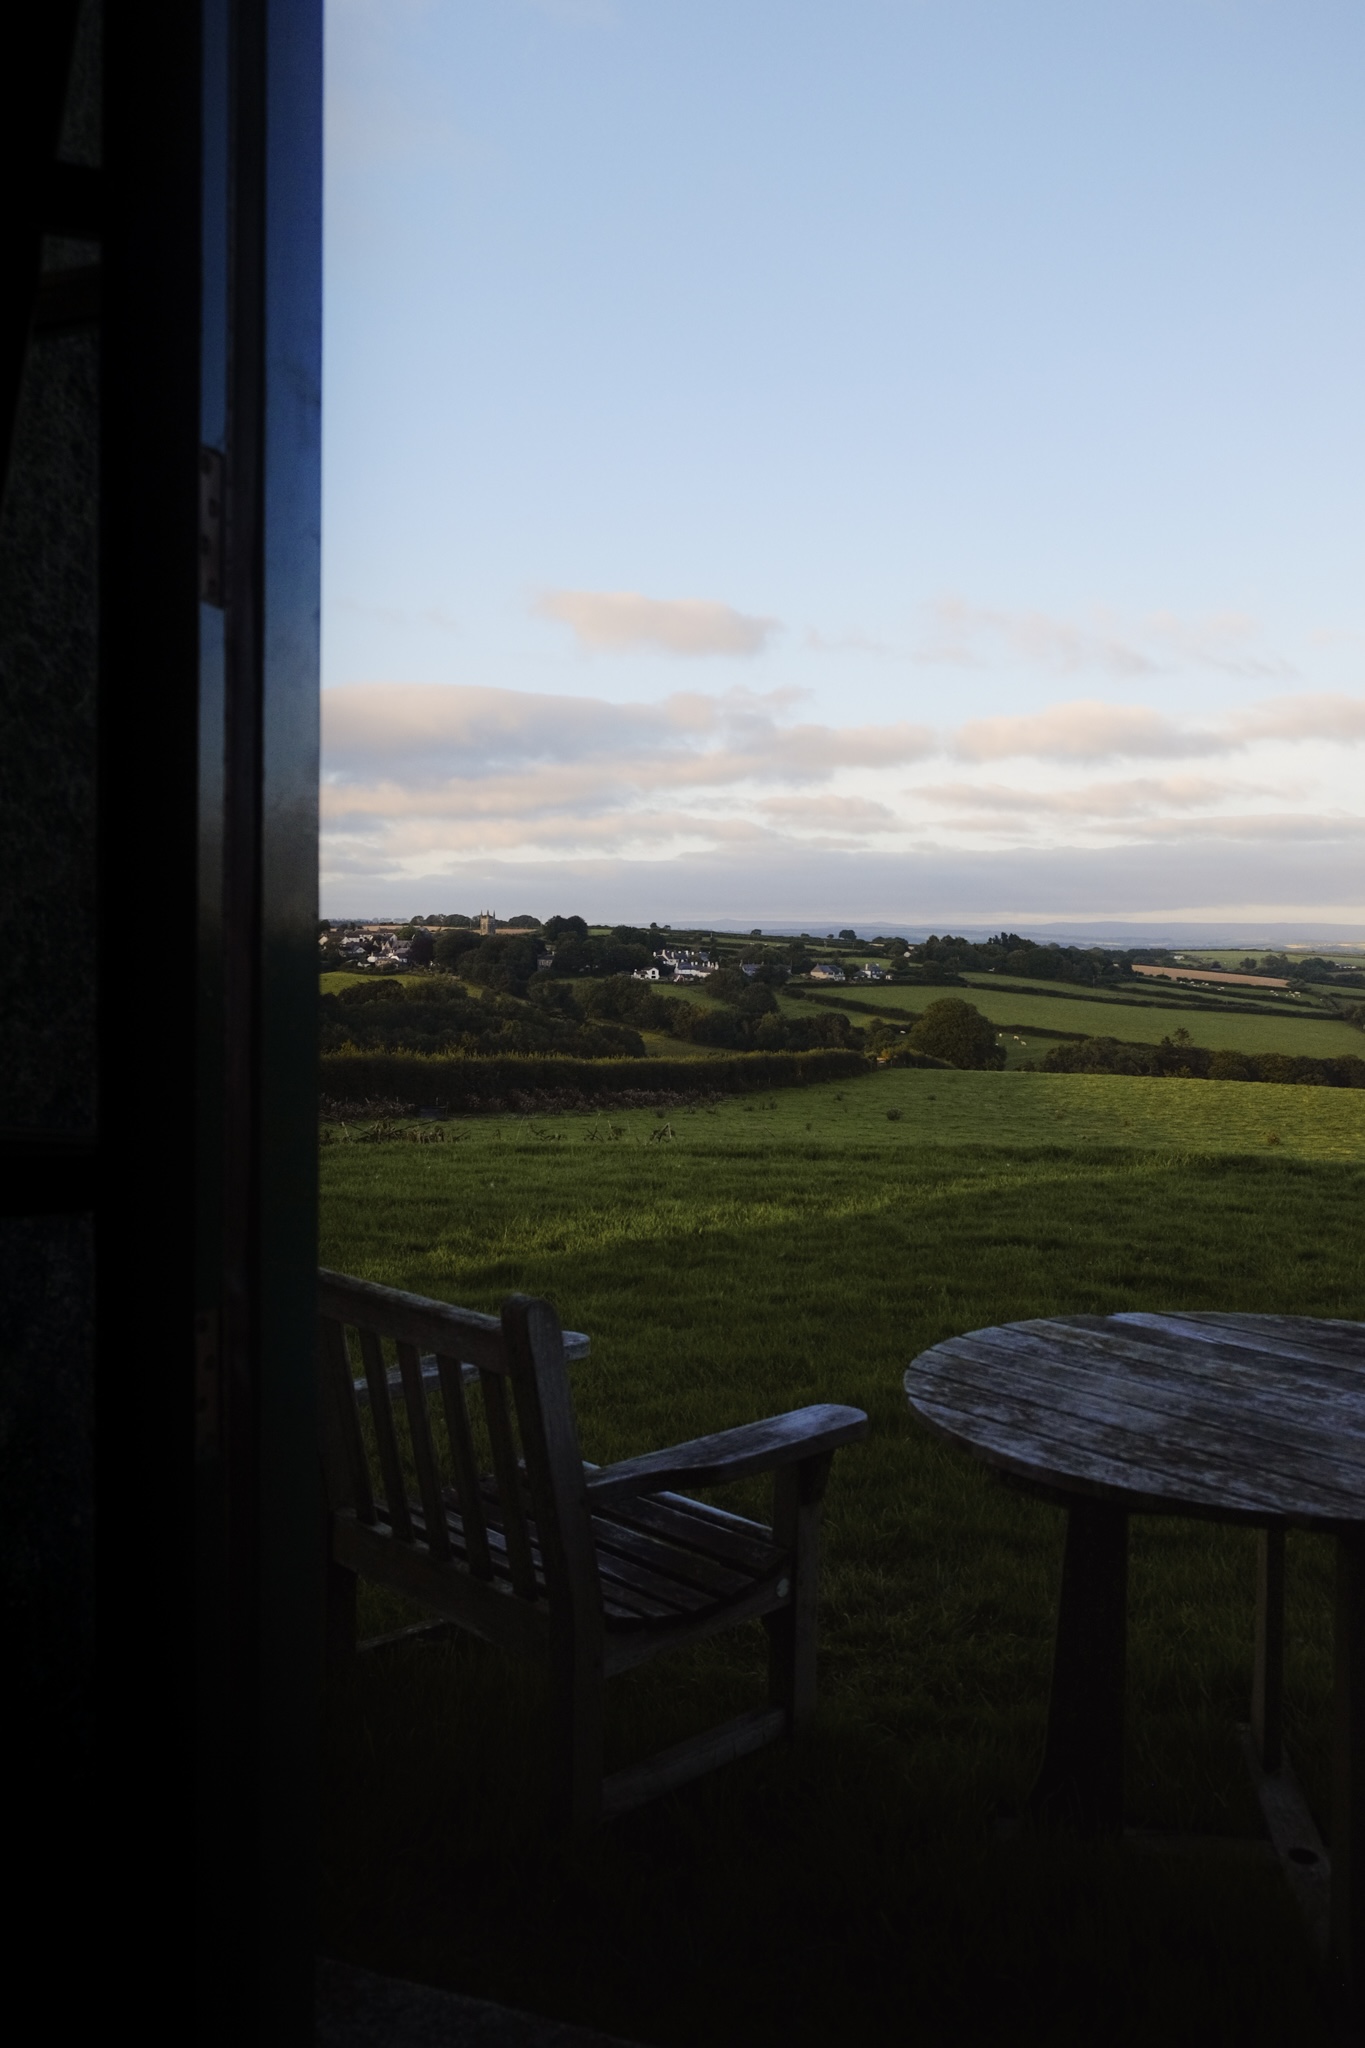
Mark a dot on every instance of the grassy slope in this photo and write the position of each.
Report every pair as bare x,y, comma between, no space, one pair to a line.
338,978
805,1248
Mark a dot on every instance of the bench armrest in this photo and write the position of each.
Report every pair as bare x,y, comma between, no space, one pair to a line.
731,1454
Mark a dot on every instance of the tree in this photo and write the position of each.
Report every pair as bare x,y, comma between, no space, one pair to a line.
501,963
565,927
957,1032
849,938
452,945
422,948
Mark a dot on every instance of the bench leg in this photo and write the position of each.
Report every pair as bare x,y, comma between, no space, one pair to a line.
797,1493
1267,1685
576,1746
1081,1780
339,1626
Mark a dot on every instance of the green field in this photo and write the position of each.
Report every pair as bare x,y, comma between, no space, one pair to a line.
337,978
1019,1009
733,1262
1112,1018
1231,957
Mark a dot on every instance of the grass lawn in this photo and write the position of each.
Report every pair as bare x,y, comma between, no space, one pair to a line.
801,1247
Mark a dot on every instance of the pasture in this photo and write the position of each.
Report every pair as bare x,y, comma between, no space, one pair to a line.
733,1261
1140,1022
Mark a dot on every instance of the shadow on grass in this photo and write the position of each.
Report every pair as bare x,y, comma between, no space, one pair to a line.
851,1889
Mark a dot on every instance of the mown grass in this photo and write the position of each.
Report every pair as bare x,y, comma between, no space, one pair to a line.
802,1248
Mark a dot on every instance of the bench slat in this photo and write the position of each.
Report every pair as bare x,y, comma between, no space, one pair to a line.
509,1483
466,1467
386,1442
423,1450
348,1469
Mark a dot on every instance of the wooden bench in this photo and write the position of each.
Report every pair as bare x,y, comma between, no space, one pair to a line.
485,1512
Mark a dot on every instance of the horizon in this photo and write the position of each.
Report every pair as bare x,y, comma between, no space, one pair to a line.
901,455
1263,938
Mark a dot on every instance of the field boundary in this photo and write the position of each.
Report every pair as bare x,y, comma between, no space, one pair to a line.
471,1082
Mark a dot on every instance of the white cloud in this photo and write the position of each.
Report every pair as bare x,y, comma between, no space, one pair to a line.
1133,797
425,733
1333,717
427,779
965,635
1084,731
614,621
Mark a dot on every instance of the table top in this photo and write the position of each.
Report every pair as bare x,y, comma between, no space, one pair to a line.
1243,1418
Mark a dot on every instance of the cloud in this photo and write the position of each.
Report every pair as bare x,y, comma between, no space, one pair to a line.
425,733
426,778
1322,717
1084,731
613,621
1091,730
966,635
820,888
1106,801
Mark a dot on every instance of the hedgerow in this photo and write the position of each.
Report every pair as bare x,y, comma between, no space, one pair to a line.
458,1082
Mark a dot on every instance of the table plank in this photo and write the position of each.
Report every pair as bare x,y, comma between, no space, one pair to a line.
1319,1339
1254,1417
1031,1441
1254,1412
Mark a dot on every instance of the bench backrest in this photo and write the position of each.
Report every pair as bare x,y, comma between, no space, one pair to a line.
500,1450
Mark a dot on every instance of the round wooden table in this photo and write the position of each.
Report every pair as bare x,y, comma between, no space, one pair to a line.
1253,1419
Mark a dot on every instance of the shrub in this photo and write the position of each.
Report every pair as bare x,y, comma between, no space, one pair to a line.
461,1082
956,1031
358,993
454,942
501,963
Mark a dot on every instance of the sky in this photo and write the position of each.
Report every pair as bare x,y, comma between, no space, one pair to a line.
845,461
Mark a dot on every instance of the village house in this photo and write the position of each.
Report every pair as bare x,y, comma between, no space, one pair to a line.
686,965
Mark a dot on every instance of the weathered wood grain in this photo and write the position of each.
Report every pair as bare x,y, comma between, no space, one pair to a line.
732,1453
590,1571
1253,1418
1200,1413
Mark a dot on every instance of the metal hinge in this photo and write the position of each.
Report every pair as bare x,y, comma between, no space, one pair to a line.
210,527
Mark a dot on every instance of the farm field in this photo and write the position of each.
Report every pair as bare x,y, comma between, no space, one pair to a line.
1015,1005
733,1262
1318,1036
1233,956
337,978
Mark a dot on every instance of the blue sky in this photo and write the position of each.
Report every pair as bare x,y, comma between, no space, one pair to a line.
868,461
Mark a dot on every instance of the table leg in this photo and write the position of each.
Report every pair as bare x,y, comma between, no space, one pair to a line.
1081,1780
1347,1940
1267,1685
